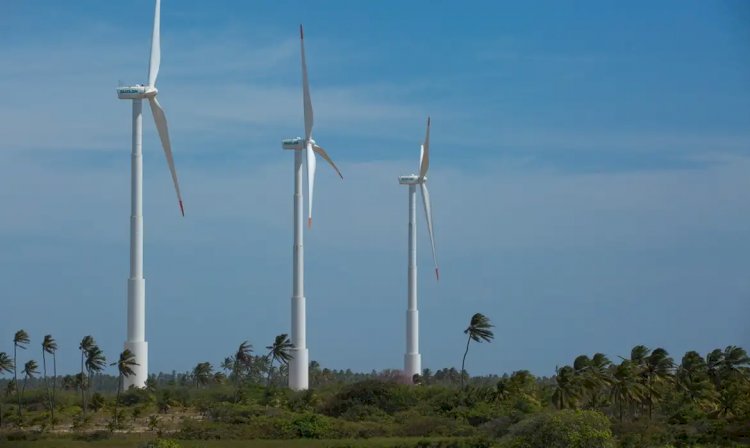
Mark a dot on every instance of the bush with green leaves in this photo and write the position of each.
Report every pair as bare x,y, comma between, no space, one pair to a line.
564,429
162,443
387,396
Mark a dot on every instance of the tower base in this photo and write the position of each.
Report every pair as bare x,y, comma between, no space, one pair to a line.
412,365
299,369
138,379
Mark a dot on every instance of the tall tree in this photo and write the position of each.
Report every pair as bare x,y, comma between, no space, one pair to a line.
280,351
478,330
20,340
49,346
124,369
86,343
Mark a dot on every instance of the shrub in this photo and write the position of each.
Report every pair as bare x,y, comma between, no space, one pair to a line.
387,396
162,443
563,429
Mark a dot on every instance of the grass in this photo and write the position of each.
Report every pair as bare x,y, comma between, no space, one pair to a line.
135,441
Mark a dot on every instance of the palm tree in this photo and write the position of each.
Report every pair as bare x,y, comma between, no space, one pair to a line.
29,370
20,340
202,373
714,361
693,380
566,388
50,346
657,368
735,362
478,330
638,355
228,364
625,385
6,366
279,351
124,369
599,375
242,360
95,363
86,343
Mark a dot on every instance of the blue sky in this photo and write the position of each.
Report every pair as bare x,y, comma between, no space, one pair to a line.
589,177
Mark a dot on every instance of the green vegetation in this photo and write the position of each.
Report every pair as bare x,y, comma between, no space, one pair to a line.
644,400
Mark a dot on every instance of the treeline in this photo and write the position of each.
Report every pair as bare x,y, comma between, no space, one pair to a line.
646,399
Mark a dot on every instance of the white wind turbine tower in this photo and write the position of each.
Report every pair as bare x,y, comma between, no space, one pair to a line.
412,358
136,338
298,366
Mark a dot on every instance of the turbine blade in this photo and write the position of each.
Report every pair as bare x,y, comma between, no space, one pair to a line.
161,125
306,101
153,66
322,152
428,216
424,158
310,181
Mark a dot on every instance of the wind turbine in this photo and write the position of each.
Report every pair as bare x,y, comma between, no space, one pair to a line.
412,358
298,366
136,337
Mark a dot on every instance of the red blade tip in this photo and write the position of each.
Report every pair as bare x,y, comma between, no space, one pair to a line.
437,274
301,33
428,120
182,209
309,223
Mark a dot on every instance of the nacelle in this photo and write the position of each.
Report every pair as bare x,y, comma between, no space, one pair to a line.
295,144
411,179
132,92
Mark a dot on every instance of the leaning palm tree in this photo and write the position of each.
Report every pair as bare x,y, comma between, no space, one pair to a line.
49,346
597,377
29,370
242,359
95,363
714,361
6,366
658,367
735,362
124,369
86,343
478,330
567,389
228,364
202,374
625,389
20,340
694,382
280,351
